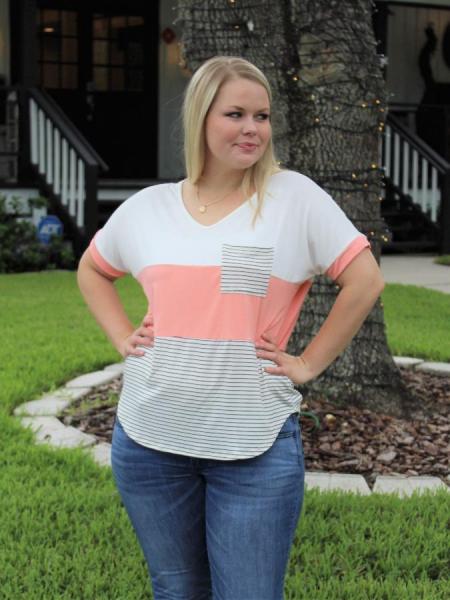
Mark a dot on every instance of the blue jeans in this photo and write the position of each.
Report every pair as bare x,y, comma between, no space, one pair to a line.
213,529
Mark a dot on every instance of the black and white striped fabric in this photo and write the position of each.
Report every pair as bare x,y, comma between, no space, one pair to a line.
212,398
246,269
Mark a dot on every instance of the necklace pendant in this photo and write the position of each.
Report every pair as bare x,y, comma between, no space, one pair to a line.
202,208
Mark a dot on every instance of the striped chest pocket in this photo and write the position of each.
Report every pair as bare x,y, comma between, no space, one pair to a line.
246,269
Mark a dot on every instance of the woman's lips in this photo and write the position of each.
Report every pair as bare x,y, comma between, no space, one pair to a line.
247,146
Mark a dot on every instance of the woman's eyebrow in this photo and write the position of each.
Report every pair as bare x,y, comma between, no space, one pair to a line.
240,108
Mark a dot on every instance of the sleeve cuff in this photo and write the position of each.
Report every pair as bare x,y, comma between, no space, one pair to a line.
101,262
345,258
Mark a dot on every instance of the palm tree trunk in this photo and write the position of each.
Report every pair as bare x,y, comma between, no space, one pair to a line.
329,108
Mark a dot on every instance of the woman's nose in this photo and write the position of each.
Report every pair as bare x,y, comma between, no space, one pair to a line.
249,126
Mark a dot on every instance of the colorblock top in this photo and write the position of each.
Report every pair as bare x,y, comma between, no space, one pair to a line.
201,391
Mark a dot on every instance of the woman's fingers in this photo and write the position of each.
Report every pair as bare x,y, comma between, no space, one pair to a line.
147,321
269,354
133,351
143,336
145,332
267,349
275,370
266,346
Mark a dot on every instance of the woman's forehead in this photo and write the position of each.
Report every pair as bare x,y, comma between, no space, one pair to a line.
239,92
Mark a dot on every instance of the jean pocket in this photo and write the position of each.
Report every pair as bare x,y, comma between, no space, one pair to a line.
289,427
284,434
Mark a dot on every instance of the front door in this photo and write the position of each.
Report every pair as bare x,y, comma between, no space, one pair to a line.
99,61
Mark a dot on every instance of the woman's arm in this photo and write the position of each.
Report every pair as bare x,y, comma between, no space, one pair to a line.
98,290
361,283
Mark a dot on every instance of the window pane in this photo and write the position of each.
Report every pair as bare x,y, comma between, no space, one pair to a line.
101,26
100,52
50,76
135,54
134,21
69,76
50,47
101,78
117,54
117,23
117,79
135,79
69,49
69,22
50,21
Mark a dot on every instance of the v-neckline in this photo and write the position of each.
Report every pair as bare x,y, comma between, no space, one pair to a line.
217,223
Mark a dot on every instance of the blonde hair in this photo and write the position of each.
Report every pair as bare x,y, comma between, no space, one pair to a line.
199,96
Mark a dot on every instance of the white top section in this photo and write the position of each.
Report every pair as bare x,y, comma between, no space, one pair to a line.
300,220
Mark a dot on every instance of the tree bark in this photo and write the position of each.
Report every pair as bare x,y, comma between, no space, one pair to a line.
329,108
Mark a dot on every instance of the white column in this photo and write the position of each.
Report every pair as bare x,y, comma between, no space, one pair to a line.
434,194
81,194
396,159
33,131
415,176
405,175
57,160
65,172
49,161
424,195
41,120
387,150
72,179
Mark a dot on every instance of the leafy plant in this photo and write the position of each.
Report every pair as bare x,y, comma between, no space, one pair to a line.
443,260
20,248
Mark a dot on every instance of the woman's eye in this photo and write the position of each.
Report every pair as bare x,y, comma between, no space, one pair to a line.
259,117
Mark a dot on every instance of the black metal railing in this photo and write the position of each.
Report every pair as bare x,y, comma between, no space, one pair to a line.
413,167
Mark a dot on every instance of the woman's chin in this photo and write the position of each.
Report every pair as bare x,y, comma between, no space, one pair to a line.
245,162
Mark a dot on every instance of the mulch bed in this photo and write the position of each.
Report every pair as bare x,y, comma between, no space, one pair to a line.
349,440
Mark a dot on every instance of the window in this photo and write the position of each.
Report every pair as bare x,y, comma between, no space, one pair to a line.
58,48
117,52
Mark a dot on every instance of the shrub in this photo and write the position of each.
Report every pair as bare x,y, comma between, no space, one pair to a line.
20,248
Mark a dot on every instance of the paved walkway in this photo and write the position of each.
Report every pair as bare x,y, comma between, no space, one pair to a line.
415,269
41,416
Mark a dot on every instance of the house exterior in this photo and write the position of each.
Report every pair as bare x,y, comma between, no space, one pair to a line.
90,96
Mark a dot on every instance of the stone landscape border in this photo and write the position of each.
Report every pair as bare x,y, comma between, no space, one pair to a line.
41,416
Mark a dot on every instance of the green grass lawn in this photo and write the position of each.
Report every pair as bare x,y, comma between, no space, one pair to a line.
64,533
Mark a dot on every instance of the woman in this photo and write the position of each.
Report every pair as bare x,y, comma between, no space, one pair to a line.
207,452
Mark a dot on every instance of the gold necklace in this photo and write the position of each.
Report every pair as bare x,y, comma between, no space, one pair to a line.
203,207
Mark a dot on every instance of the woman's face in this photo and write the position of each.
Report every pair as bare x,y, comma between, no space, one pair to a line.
237,127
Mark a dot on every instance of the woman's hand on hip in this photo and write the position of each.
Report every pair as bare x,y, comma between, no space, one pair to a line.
142,336
290,366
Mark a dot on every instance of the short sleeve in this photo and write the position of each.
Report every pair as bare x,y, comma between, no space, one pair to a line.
107,247
333,240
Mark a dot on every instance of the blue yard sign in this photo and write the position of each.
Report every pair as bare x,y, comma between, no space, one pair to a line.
48,226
